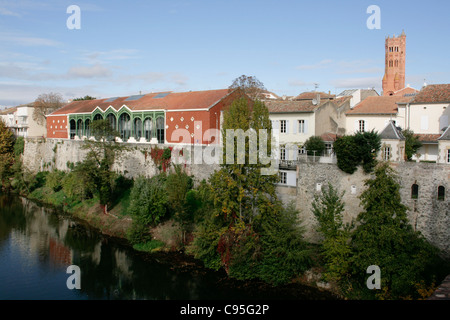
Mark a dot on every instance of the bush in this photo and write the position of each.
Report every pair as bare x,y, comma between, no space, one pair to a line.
314,145
54,180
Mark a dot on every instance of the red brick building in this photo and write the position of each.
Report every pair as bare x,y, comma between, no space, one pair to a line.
163,117
395,58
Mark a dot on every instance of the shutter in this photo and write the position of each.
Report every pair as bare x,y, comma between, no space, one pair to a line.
424,123
294,126
356,125
287,126
306,127
291,178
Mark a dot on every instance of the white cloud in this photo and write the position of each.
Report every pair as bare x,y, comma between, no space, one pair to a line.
319,65
11,38
351,83
6,12
95,71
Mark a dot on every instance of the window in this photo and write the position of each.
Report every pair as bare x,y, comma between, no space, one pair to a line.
414,191
160,129
137,129
282,126
73,128
396,63
391,63
386,153
448,155
148,127
441,193
125,126
301,126
80,128
283,177
87,128
361,125
282,153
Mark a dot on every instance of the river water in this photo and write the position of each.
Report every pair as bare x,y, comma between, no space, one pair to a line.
38,244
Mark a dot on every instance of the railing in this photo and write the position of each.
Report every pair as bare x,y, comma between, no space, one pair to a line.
325,157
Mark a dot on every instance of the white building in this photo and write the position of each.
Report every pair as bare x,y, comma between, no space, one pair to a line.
20,120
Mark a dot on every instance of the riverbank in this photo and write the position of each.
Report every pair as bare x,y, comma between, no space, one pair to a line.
115,224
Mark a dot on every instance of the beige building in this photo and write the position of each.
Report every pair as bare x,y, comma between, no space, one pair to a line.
20,120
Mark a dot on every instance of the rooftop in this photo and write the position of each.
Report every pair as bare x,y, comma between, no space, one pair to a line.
151,101
433,93
379,105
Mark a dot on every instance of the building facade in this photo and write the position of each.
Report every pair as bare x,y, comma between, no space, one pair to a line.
157,118
20,120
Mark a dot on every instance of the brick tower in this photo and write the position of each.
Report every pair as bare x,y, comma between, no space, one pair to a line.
394,76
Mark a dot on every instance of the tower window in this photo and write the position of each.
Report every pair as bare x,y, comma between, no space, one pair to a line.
396,63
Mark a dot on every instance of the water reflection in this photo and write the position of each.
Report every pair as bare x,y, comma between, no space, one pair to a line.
37,245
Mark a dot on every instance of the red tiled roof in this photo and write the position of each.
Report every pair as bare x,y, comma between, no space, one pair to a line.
172,101
433,93
313,95
284,106
328,136
379,105
427,137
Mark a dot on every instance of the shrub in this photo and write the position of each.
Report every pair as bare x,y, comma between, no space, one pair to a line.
314,145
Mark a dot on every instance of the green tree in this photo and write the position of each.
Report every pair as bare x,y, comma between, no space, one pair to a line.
369,143
385,238
328,208
86,97
314,146
412,143
148,205
347,154
354,150
6,154
102,152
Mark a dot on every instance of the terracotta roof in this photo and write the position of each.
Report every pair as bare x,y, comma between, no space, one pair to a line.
289,106
406,90
428,137
433,93
312,95
328,137
151,101
379,105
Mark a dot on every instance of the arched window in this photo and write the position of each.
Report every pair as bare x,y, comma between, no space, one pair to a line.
125,126
396,63
160,129
441,193
87,128
137,129
414,191
80,128
73,129
112,120
391,63
148,127
98,116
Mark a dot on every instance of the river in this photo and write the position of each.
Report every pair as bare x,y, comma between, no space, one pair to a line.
38,244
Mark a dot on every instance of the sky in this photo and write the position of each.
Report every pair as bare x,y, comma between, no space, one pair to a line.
129,47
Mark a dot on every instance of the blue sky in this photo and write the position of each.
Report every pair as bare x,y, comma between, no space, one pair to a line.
127,47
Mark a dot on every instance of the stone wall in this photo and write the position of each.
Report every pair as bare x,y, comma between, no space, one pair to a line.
427,214
49,154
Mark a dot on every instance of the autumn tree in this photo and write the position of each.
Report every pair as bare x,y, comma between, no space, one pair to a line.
45,104
250,85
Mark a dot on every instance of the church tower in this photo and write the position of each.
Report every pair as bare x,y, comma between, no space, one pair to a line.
394,75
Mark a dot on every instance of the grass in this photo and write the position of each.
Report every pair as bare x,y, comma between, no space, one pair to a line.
150,246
